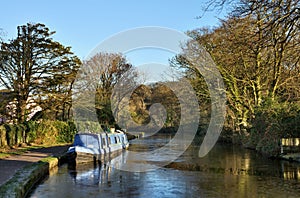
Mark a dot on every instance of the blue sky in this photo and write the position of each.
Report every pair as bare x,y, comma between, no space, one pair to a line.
84,24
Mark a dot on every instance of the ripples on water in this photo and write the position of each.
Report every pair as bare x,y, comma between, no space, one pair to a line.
227,171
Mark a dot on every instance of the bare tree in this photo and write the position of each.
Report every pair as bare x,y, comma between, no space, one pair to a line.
97,79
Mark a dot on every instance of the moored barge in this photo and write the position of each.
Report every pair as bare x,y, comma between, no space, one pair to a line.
91,147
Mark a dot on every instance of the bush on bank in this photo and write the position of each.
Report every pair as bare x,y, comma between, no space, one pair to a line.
272,122
37,132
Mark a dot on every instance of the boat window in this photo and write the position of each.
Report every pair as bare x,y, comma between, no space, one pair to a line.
112,140
91,141
78,140
103,140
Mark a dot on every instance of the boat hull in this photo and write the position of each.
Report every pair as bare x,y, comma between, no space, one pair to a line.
96,147
79,157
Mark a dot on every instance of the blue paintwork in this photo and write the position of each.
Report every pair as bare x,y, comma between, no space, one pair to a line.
98,145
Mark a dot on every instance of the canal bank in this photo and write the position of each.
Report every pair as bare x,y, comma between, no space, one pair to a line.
19,174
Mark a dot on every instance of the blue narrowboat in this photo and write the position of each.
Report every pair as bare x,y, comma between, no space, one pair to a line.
89,147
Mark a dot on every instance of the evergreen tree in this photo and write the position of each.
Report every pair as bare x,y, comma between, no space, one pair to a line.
36,69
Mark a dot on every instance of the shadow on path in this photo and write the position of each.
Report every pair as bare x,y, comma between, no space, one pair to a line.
9,166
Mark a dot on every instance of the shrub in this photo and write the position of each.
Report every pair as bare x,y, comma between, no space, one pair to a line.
3,140
20,133
272,122
42,132
51,132
31,128
84,126
66,130
46,132
10,134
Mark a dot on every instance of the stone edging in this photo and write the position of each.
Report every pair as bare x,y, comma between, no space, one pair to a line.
28,177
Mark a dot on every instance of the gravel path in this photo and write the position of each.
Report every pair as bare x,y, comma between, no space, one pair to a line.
9,166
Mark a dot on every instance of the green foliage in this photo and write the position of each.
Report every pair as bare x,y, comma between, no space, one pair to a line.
66,131
84,126
34,65
46,132
10,134
272,122
256,50
20,133
31,131
73,130
15,134
3,140
51,132
43,132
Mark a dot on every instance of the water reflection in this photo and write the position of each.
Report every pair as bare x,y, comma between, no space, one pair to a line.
290,171
89,174
95,173
235,160
228,171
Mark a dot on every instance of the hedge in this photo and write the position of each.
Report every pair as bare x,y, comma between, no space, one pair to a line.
38,132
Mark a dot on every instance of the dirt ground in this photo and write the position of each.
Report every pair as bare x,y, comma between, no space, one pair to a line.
9,166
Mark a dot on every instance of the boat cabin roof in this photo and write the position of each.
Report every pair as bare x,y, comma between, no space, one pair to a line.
88,139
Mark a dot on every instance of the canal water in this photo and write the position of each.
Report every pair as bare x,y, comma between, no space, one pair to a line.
227,171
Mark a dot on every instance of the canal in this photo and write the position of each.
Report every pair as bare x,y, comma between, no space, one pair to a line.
227,171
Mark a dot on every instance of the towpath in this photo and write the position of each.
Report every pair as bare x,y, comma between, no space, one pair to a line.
10,165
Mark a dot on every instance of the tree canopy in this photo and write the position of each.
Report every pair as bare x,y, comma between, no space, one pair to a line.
36,69
256,49
94,86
